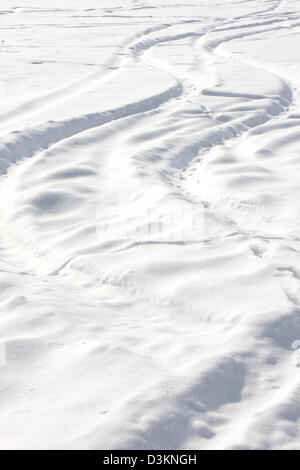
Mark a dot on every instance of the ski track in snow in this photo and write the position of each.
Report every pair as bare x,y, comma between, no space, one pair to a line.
115,339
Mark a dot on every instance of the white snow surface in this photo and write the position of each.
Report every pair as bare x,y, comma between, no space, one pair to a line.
115,113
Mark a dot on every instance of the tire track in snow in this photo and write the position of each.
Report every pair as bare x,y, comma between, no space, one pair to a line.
208,400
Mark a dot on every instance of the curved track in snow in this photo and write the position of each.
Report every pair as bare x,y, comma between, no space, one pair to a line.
149,226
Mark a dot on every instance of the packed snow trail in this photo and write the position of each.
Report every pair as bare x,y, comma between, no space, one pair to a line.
149,229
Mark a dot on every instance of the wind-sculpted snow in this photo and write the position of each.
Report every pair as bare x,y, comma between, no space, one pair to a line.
149,224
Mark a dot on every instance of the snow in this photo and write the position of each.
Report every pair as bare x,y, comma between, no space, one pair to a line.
149,224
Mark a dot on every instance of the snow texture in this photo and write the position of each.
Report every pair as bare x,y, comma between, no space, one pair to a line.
149,224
